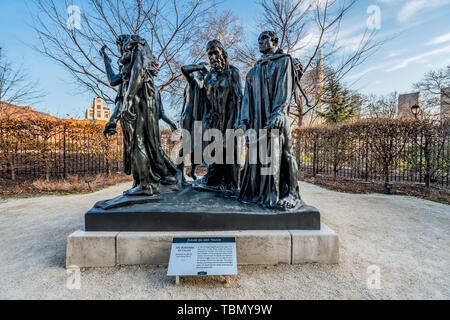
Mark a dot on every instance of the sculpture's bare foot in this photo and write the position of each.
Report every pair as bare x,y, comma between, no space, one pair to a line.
191,174
169,181
288,203
138,191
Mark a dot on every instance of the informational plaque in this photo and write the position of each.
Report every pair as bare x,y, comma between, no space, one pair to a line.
203,257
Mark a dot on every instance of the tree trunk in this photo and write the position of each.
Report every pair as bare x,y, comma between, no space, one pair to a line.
47,173
386,172
108,167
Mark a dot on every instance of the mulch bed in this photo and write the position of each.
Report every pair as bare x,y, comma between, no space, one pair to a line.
27,187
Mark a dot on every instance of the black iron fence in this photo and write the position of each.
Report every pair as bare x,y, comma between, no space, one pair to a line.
377,149
35,149
374,149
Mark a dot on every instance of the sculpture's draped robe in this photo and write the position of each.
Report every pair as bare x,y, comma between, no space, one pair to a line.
143,153
268,92
224,93
193,108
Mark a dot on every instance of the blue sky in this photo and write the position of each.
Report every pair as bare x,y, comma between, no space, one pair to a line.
422,42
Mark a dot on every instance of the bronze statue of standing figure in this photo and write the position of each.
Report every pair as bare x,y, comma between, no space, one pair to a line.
269,92
224,94
139,109
194,110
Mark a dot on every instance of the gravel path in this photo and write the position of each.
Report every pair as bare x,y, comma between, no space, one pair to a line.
407,238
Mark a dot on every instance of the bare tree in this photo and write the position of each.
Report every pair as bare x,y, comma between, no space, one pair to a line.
225,27
384,106
15,84
172,29
310,29
288,19
176,30
432,86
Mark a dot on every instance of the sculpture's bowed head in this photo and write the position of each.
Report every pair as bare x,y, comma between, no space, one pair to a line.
218,56
268,42
120,43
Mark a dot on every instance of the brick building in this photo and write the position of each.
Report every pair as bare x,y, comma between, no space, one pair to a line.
405,102
98,112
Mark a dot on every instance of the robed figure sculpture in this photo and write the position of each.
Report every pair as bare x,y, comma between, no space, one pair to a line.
268,94
139,109
224,94
194,110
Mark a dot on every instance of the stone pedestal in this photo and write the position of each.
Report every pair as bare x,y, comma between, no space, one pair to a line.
91,249
259,247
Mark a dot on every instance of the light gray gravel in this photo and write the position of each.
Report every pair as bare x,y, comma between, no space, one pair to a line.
407,238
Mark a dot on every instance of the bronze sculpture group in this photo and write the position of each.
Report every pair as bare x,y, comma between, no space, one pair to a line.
214,98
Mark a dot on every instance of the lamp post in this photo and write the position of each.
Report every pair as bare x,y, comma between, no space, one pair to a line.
415,109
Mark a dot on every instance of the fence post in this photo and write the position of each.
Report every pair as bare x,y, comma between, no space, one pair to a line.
367,160
427,152
13,171
64,154
314,156
421,157
13,163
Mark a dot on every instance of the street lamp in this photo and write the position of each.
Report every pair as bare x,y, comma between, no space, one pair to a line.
415,110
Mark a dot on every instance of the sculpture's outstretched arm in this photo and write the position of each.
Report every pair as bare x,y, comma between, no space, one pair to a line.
162,114
110,128
113,79
167,120
115,116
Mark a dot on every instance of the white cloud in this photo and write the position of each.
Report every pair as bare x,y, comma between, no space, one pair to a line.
438,40
362,73
393,54
389,1
356,76
352,29
309,41
351,44
414,6
404,63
